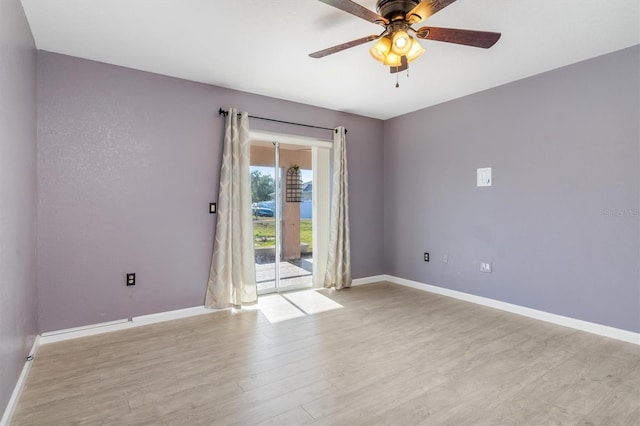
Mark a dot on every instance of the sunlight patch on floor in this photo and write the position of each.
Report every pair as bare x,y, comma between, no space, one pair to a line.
282,307
277,309
312,302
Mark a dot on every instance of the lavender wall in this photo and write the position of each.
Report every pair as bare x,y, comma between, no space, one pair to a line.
128,163
560,222
17,195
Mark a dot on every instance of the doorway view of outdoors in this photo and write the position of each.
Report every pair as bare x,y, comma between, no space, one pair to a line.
282,185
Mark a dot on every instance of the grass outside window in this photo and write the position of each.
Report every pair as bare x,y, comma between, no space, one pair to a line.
264,232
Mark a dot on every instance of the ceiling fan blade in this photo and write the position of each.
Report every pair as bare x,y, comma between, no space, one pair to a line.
426,8
357,10
343,46
482,39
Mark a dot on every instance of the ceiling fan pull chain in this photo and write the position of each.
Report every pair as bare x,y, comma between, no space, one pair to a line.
397,82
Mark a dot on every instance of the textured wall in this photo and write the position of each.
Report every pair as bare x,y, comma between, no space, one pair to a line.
128,163
560,223
17,194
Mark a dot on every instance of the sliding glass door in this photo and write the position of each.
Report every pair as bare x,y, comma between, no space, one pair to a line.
285,211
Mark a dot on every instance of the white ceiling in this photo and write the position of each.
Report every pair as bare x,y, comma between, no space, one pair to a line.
262,46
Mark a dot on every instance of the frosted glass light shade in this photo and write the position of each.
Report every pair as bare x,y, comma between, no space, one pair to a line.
393,60
401,43
380,50
415,52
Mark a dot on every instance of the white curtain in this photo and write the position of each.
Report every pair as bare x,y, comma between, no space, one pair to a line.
232,279
339,256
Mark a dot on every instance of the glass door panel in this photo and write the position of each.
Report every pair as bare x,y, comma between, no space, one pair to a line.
264,209
295,269
282,184
296,264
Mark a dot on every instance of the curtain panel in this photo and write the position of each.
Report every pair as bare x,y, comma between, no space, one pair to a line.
339,257
232,278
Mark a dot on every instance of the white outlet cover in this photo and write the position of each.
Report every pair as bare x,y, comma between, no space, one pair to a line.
484,176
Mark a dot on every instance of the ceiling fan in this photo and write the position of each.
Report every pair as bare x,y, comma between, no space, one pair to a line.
395,47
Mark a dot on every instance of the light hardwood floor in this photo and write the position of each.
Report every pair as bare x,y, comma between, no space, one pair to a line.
392,355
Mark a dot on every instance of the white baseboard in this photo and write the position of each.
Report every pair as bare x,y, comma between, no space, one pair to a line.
106,327
17,390
590,327
369,280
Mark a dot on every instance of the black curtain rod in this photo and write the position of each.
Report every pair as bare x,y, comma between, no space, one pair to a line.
225,113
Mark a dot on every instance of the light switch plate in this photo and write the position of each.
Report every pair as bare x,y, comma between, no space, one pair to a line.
131,279
484,176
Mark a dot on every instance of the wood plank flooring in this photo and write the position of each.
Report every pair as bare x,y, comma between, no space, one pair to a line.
392,355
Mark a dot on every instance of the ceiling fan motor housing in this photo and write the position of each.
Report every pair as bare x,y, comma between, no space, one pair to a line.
394,10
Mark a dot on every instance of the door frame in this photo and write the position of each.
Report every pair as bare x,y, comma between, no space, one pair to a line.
321,163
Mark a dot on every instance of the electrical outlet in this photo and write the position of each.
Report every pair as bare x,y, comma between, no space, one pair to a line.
426,257
485,267
445,258
131,279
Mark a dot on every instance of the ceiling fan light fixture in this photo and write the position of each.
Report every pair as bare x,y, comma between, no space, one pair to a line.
394,47
401,43
381,49
415,52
